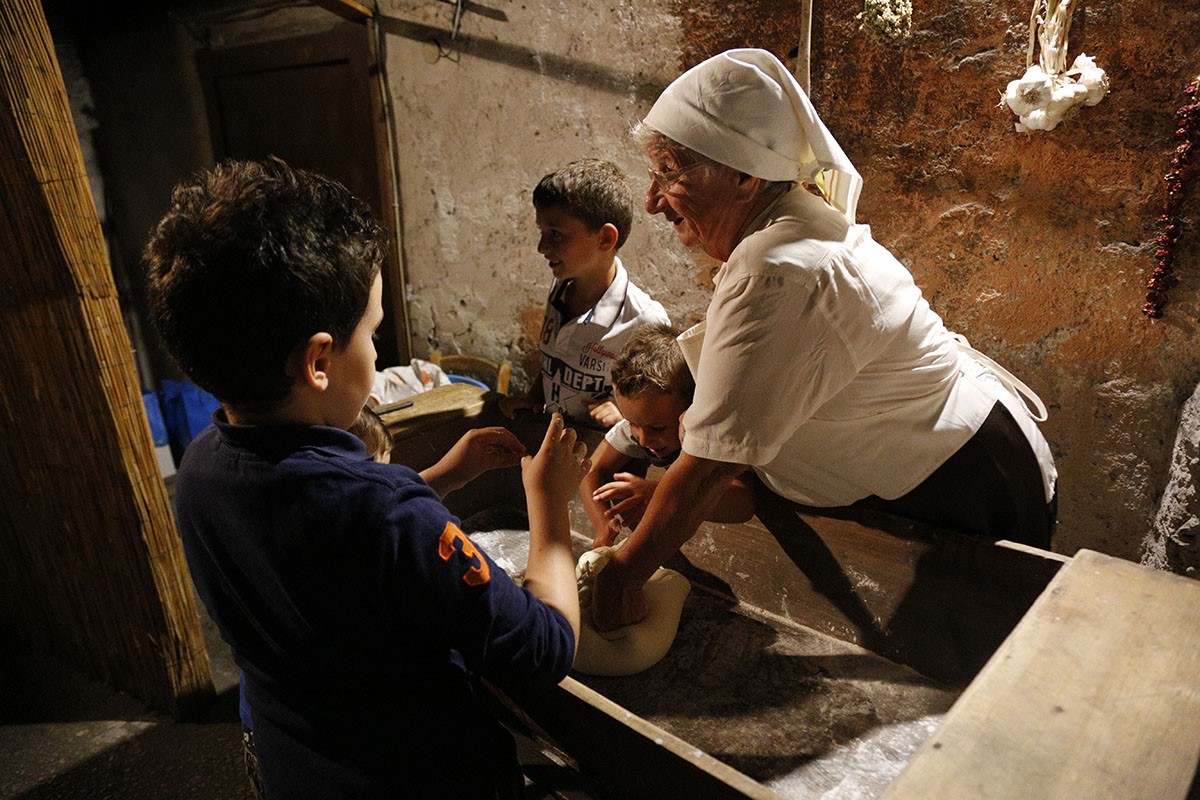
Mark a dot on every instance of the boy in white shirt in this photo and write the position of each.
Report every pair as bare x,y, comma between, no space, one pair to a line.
653,387
584,213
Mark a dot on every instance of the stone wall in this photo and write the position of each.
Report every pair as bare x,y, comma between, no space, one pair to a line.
1035,246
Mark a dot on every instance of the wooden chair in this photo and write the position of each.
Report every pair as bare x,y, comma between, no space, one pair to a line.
495,376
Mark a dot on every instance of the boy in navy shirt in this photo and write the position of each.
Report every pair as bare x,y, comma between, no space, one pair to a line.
361,616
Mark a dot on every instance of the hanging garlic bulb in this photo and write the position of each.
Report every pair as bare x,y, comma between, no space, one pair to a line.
1047,93
1029,92
1091,76
1036,120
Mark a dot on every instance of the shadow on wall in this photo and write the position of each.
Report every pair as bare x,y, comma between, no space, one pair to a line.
551,65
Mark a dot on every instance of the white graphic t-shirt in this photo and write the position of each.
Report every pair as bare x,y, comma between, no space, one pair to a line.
577,354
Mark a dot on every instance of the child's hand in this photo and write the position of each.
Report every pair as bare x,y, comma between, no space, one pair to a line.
605,413
559,465
509,406
490,448
627,497
478,451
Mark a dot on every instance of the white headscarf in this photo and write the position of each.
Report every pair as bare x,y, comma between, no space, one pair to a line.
744,109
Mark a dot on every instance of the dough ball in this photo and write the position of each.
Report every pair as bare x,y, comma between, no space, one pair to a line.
634,648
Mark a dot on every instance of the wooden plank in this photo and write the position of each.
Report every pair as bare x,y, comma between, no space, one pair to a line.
346,9
1095,694
425,426
633,757
426,410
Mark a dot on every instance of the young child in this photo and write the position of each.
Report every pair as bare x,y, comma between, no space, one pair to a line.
361,617
374,434
584,212
653,387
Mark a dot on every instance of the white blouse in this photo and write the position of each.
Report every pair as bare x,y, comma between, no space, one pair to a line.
824,368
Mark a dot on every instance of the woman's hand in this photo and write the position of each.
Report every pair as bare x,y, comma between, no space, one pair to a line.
687,493
626,498
605,413
604,537
617,600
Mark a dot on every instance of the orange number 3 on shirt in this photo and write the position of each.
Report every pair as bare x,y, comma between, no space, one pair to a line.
478,574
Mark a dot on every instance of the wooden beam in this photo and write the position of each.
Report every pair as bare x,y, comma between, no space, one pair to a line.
347,9
804,49
631,756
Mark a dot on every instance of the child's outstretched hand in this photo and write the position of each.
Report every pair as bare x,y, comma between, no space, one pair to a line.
560,464
605,413
490,448
478,451
550,478
626,496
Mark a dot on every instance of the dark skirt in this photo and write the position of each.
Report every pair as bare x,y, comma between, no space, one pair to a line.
992,487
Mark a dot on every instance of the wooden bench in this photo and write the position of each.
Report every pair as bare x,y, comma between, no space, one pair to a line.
1095,694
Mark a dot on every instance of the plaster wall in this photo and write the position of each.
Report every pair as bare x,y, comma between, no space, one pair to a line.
480,118
1035,246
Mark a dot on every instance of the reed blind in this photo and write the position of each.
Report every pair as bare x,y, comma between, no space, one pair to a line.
91,567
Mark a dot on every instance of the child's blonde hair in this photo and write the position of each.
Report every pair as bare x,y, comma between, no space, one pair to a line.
651,361
374,434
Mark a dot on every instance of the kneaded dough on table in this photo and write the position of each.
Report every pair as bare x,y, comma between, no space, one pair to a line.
633,648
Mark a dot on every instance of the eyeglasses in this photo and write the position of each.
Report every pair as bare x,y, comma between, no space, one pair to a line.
664,180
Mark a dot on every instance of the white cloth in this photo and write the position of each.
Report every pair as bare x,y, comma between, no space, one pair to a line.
823,367
744,109
396,383
690,342
577,354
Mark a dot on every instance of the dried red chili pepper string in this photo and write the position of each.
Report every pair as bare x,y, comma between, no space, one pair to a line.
1170,224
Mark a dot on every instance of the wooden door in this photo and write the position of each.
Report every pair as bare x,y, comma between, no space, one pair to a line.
316,102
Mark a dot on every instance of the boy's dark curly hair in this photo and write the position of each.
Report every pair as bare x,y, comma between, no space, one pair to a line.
252,259
595,191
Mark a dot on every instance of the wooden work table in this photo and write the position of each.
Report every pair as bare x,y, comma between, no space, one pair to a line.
1079,677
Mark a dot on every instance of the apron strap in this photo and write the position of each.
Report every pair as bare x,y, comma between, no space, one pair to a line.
1033,404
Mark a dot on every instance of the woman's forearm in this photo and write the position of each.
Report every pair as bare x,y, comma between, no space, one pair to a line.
686,496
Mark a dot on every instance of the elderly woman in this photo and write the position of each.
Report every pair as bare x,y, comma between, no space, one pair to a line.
821,366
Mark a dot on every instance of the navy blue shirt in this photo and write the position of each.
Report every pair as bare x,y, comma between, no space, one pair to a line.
359,613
